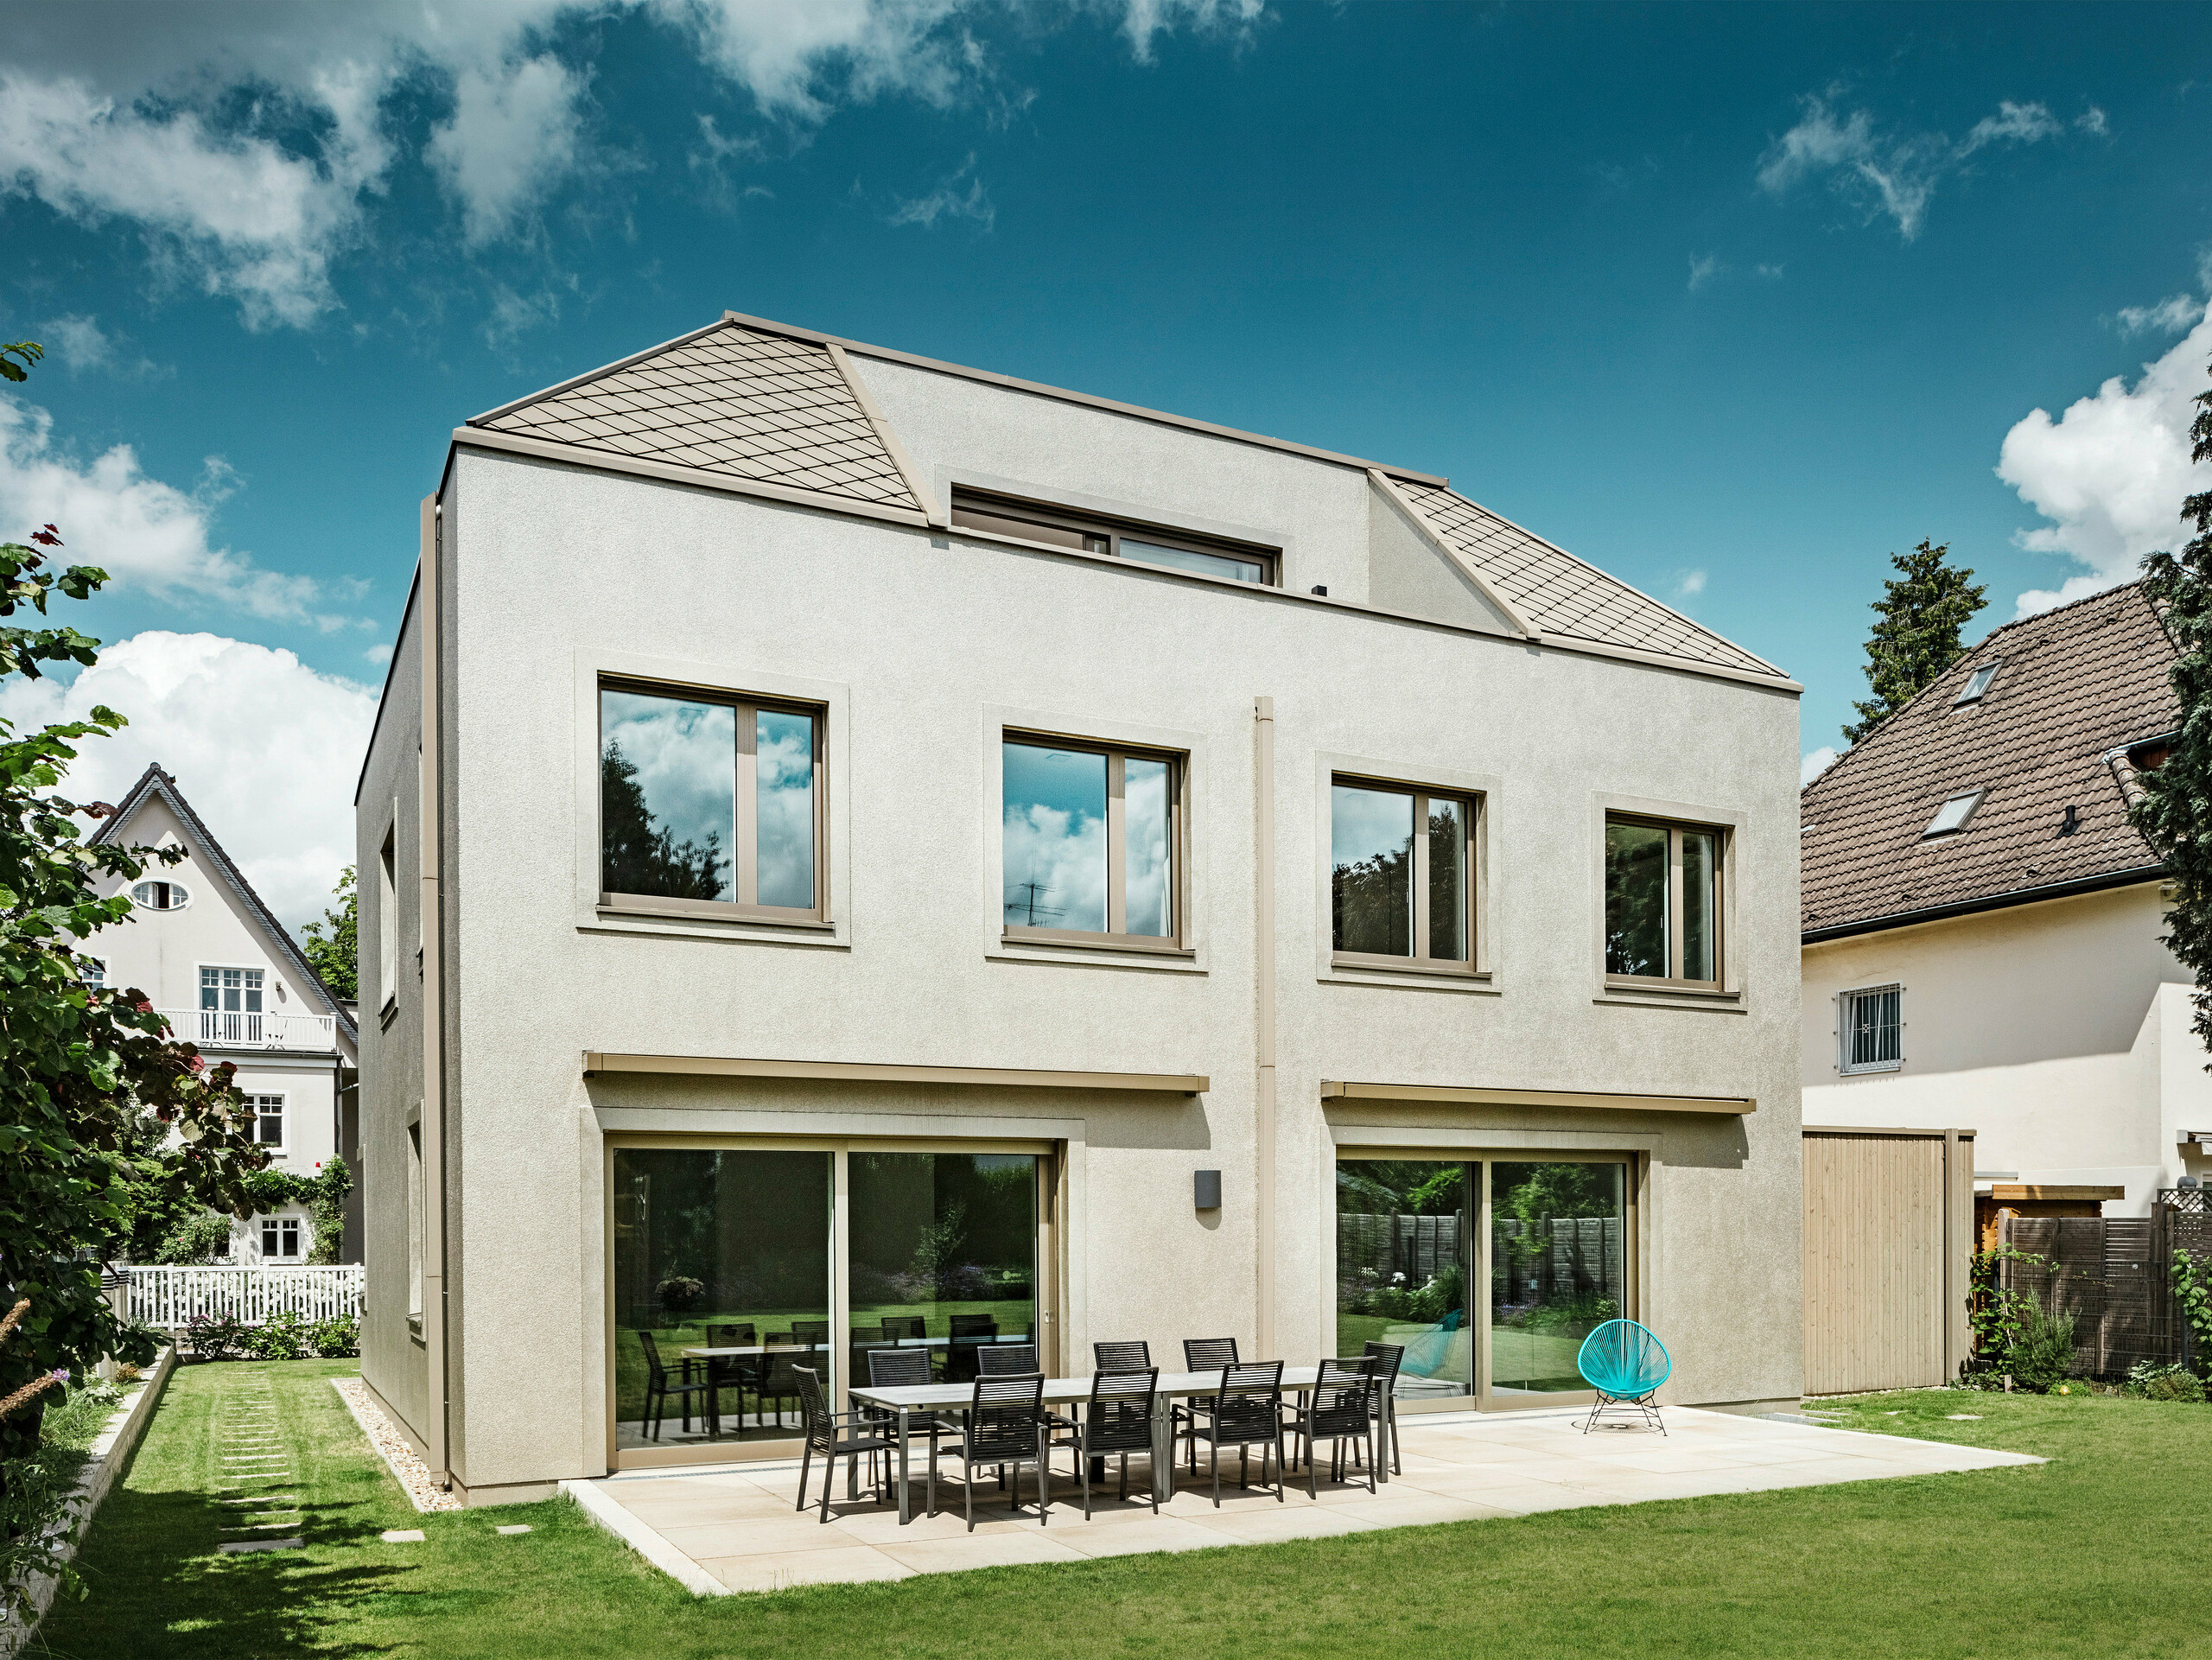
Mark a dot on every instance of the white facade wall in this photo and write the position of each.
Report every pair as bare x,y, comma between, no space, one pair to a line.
2058,1032
923,646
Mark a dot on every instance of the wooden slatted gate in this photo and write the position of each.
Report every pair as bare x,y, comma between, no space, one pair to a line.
1889,1231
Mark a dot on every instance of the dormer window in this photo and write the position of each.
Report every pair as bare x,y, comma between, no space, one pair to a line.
1149,544
1977,683
1952,816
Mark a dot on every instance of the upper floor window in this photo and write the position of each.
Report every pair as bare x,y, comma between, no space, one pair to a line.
230,1005
1977,683
161,895
268,1119
1400,888
1662,903
1092,842
1207,556
1870,1030
708,799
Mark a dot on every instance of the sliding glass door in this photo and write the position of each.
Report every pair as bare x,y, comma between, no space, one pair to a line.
1549,1238
736,1268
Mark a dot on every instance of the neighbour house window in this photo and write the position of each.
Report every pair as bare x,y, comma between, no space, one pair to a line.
268,1119
1977,683
1662,903
1871,1030
708,800
1954,813
1091,842
280,1236
91,971
1400,888
161,896
1206,555
230,1005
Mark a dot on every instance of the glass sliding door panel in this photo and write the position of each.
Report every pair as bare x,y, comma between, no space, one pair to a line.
1055,838
1447,882
943,1256
783,772
1147,864
1700,904
1636,900
1559,1268
725,1248
1404,1248
1371,864
668,796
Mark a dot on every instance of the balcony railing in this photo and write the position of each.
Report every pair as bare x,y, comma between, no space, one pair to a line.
221,1029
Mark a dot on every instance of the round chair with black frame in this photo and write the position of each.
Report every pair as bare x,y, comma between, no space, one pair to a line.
833,1435
1626,1364
684,1386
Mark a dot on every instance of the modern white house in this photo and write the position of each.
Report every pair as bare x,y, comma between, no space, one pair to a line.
1981,922
860,850
208,954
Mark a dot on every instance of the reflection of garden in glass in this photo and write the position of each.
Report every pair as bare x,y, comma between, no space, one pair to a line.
948,1239
1558,1268
724,1237
1402,1244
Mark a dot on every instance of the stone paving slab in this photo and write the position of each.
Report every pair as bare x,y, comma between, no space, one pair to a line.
737,1528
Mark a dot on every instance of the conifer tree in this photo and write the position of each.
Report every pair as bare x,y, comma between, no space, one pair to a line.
1922,615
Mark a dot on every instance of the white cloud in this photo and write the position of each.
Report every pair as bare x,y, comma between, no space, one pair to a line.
81,345
146,534
1814,762
2110,472
2092,121
1885,173
2168,316
1703,269
1688,584
514,132
277,792
950,201
380,653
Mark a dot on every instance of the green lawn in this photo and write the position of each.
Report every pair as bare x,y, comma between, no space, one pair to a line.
2096,1553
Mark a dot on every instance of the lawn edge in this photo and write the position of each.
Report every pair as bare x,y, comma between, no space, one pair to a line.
612,1518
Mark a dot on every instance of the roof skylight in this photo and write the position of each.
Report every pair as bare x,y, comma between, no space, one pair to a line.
1978,682
1954,813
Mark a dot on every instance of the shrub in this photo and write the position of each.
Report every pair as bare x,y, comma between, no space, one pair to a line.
280,1337
196,1239
2041,1353
334,1338
681,1293
2150,1381
216,1337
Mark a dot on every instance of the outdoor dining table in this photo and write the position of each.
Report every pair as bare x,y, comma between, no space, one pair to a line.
714,1405
906,1399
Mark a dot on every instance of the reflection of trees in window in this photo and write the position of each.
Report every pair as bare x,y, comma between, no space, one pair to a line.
1372,902
1636,900
641,856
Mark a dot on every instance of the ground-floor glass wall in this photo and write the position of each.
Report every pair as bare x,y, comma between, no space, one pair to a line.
1549,1238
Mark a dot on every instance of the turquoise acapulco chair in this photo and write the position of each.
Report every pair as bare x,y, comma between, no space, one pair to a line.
1625,1364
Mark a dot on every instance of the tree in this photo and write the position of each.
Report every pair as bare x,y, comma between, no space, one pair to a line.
643,856
2175,810
78,1062
333,945
1922,615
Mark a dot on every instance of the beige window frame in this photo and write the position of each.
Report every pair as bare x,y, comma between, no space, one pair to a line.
1178,817
745,853
1471,807
1030,521
1673,979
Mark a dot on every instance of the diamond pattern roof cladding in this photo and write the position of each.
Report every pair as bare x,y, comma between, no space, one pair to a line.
735,402
1560,595
2071,685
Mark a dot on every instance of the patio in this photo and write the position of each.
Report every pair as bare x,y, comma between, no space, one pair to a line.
731,1528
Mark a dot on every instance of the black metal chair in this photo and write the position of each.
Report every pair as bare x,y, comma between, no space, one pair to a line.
1117,1420
686,1384
889,1367
779,1379
833,1435
896,1328
810,1330
1006,1359
1388,1357
1199,1354
740,1373
967,1333
1121,1357
1004,1424
1338,1408
1246,1409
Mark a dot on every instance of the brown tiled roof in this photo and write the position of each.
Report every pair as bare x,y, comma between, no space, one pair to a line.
2072,686
1563,595
729,400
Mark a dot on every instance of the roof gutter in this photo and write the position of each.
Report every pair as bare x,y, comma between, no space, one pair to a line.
1992,902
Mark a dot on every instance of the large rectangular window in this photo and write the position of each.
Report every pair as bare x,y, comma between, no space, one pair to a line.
1872,1029
230,1005
1400,882
709,802
1663,903
1204,555
1091,840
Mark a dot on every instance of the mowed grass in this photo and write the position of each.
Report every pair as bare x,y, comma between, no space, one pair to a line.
2095,1553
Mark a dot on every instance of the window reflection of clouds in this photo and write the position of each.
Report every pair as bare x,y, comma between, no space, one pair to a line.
1147,865
1055,838
784,769
685,756
1368,824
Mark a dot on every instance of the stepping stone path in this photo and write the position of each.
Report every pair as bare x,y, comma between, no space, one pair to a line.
402,1535
509,1532
250,1451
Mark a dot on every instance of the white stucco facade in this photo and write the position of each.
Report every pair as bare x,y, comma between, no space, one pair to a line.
488,1250
2058,1032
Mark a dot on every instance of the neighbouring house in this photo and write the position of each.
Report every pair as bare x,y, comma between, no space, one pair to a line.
858,850
1982,923
231,979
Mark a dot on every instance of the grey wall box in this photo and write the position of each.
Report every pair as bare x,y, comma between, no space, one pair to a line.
1206,1189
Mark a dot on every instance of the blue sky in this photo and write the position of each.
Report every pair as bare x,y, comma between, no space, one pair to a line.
1733,301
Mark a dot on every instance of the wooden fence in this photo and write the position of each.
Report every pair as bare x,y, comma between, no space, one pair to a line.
167,1298
2115,1276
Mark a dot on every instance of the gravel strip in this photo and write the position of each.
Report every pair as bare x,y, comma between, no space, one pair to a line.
413,1477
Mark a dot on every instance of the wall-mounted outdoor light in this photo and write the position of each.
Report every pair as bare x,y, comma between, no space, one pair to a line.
1206,1189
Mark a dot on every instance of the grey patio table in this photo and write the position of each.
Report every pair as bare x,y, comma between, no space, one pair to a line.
906,1399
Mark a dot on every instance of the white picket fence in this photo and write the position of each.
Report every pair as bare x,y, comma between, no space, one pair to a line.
167,1298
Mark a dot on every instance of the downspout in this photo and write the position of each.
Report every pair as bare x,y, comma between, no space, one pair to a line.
429,842
1264,1130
